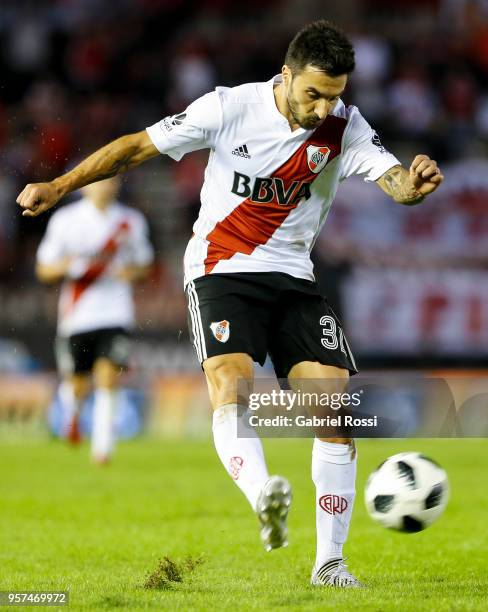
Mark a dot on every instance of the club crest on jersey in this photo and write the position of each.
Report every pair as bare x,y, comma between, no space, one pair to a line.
317,157
221,330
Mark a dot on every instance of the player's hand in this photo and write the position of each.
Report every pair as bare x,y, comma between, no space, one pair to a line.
131,273
36,198
425,175
123,273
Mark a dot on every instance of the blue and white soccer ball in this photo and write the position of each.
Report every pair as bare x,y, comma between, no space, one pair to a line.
407,492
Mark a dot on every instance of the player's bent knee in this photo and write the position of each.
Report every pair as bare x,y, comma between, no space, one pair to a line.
316,370
106,374
80,384
223,367
319,377
226,378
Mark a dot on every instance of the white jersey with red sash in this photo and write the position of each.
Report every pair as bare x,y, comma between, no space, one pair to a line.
267,189
99,243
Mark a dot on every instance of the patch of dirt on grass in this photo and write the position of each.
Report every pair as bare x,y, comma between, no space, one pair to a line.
168,572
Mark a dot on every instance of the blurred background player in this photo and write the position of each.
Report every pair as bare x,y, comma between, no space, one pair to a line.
97,247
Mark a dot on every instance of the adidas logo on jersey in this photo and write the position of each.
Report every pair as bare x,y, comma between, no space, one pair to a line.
241,152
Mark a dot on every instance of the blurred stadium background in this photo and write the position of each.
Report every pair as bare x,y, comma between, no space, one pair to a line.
410,284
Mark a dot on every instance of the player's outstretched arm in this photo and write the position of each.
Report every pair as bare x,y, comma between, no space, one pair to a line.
114,158
133,273
53,273
411,186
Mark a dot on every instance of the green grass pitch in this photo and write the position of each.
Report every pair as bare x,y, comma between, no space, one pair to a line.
99,532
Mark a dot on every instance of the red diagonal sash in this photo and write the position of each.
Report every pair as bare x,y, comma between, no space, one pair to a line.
251,223
98,267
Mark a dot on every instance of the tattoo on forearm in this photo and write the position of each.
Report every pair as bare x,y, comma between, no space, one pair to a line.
114,158
398,185
119,165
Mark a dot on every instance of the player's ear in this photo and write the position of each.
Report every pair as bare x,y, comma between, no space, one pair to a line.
286,74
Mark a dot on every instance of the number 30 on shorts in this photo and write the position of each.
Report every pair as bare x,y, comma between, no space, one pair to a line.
330,338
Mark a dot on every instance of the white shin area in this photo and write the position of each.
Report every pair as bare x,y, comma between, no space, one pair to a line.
334,476
242,457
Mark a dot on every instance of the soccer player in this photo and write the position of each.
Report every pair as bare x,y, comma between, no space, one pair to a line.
97,247
278,150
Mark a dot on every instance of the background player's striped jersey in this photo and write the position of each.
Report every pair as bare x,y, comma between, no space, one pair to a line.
99,242
267,189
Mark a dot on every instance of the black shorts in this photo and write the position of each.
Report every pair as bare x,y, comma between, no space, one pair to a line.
76,354
261,313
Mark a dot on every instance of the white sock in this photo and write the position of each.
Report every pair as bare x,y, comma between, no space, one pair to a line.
102,439
243,458
334,475
71,405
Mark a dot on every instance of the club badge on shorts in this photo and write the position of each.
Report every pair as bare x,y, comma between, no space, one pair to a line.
221,330
317,157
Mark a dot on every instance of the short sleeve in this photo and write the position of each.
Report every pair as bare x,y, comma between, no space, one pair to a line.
193,129
142,252
363,153
53,245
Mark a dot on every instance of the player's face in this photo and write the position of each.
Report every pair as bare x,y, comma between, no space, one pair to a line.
103,192
311,95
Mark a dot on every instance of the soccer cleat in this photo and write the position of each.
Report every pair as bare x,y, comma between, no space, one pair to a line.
101,459
334,573
272,509
74,434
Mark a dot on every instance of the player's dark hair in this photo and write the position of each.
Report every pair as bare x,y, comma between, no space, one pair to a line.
323,45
